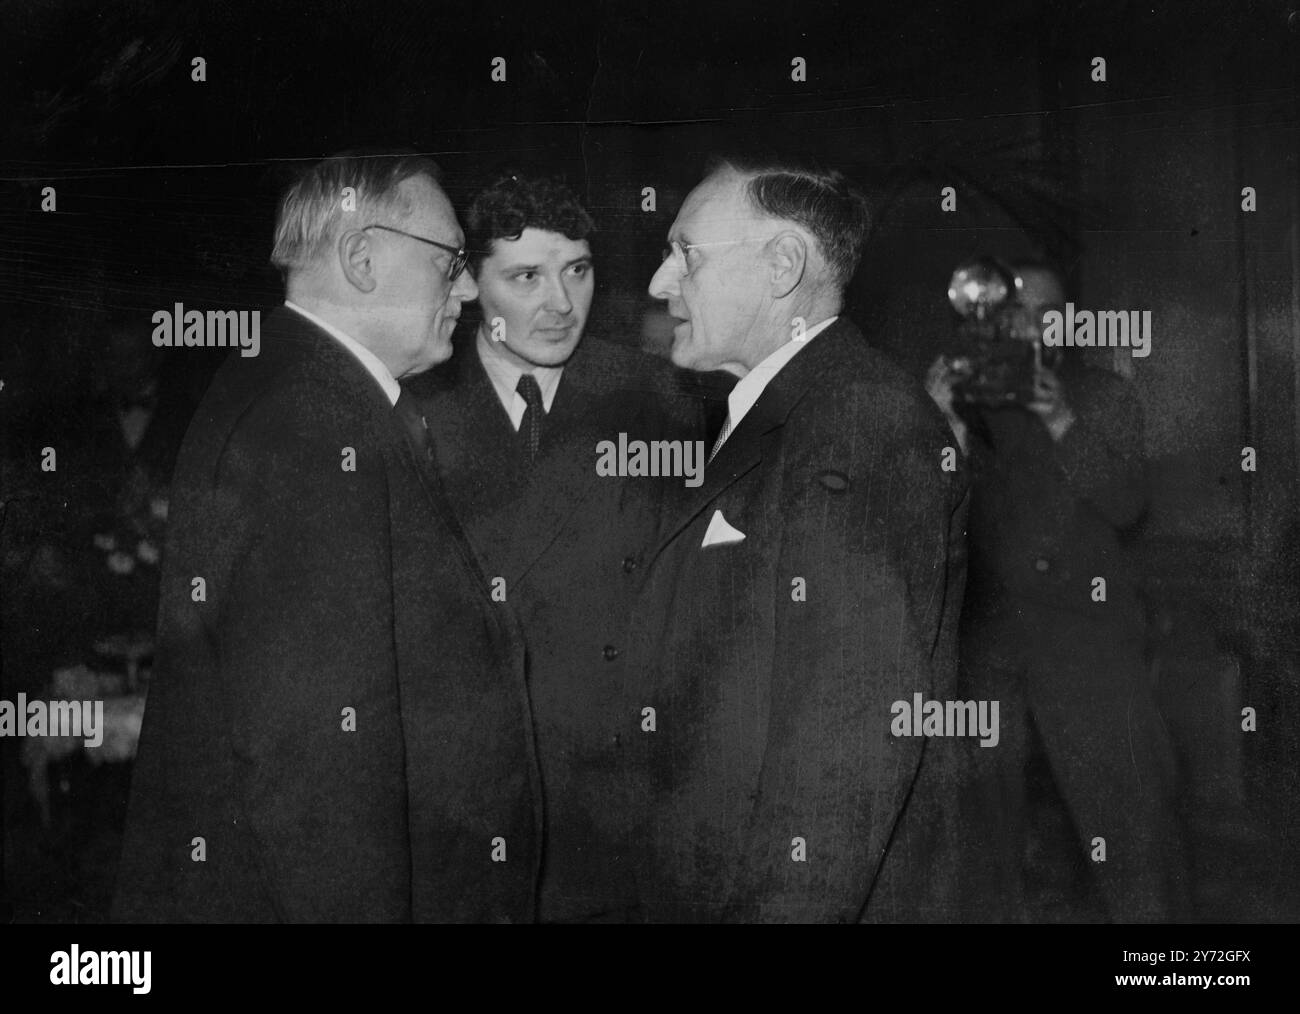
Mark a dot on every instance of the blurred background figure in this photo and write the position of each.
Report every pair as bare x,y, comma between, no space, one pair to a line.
1053,624
135,422
81,549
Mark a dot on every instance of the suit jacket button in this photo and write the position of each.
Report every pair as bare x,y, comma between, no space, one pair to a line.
629,564
610,653
1042,565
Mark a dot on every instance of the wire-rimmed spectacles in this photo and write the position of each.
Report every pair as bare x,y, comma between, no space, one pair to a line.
677,249
459,255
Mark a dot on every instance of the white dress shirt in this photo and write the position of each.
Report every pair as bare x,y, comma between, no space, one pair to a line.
505,378
364,356
748,389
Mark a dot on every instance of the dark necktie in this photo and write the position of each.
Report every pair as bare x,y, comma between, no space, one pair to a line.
722,438
416,428
530,428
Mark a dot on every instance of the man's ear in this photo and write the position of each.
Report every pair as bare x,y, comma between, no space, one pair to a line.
788,260
356,259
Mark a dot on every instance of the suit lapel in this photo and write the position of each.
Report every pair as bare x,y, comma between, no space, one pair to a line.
432,485
759,430
564,473
739,455
514,512
485,446
476,463
299,338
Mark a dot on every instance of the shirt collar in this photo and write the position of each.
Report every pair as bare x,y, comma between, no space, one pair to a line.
372,363
748,389
505,375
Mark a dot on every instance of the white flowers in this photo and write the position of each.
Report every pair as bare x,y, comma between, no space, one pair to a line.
120,563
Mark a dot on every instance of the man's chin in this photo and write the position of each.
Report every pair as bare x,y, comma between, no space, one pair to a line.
560,359
547,355
439,352
683,353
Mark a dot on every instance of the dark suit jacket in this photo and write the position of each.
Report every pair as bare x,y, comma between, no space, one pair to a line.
1047,517
326,589
774,713
570,545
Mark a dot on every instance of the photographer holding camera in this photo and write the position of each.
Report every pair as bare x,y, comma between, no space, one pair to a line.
1053,626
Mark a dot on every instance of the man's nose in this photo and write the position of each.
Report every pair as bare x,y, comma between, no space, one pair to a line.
557,298
465,288
664,283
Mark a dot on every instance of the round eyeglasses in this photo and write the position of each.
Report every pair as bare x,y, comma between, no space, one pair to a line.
459,255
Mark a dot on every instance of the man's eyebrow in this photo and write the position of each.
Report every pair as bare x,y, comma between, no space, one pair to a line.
585,258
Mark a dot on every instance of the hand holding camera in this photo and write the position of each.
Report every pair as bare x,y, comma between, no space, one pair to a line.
998,359
1049,402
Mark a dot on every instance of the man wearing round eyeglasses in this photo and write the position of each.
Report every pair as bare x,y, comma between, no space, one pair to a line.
419,282
809,585
337,728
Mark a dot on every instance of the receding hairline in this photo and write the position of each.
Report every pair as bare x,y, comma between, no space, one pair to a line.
742,177
310,221
431,194
748,174
745,178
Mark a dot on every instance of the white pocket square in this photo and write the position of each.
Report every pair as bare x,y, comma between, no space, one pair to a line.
720,533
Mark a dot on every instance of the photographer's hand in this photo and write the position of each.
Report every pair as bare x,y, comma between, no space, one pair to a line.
1050,404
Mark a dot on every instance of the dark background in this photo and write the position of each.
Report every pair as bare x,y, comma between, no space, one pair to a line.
166,190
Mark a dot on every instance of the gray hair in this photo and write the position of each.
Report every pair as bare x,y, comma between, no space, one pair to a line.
821,200
312,209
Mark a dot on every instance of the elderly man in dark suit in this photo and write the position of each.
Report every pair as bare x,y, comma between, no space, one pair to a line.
809,586
516,416
338,727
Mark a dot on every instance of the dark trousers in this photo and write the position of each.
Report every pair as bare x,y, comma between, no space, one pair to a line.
1083,755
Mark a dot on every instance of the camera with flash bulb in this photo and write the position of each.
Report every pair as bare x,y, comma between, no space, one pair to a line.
996,353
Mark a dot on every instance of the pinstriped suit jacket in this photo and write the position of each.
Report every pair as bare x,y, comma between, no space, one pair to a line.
772,788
